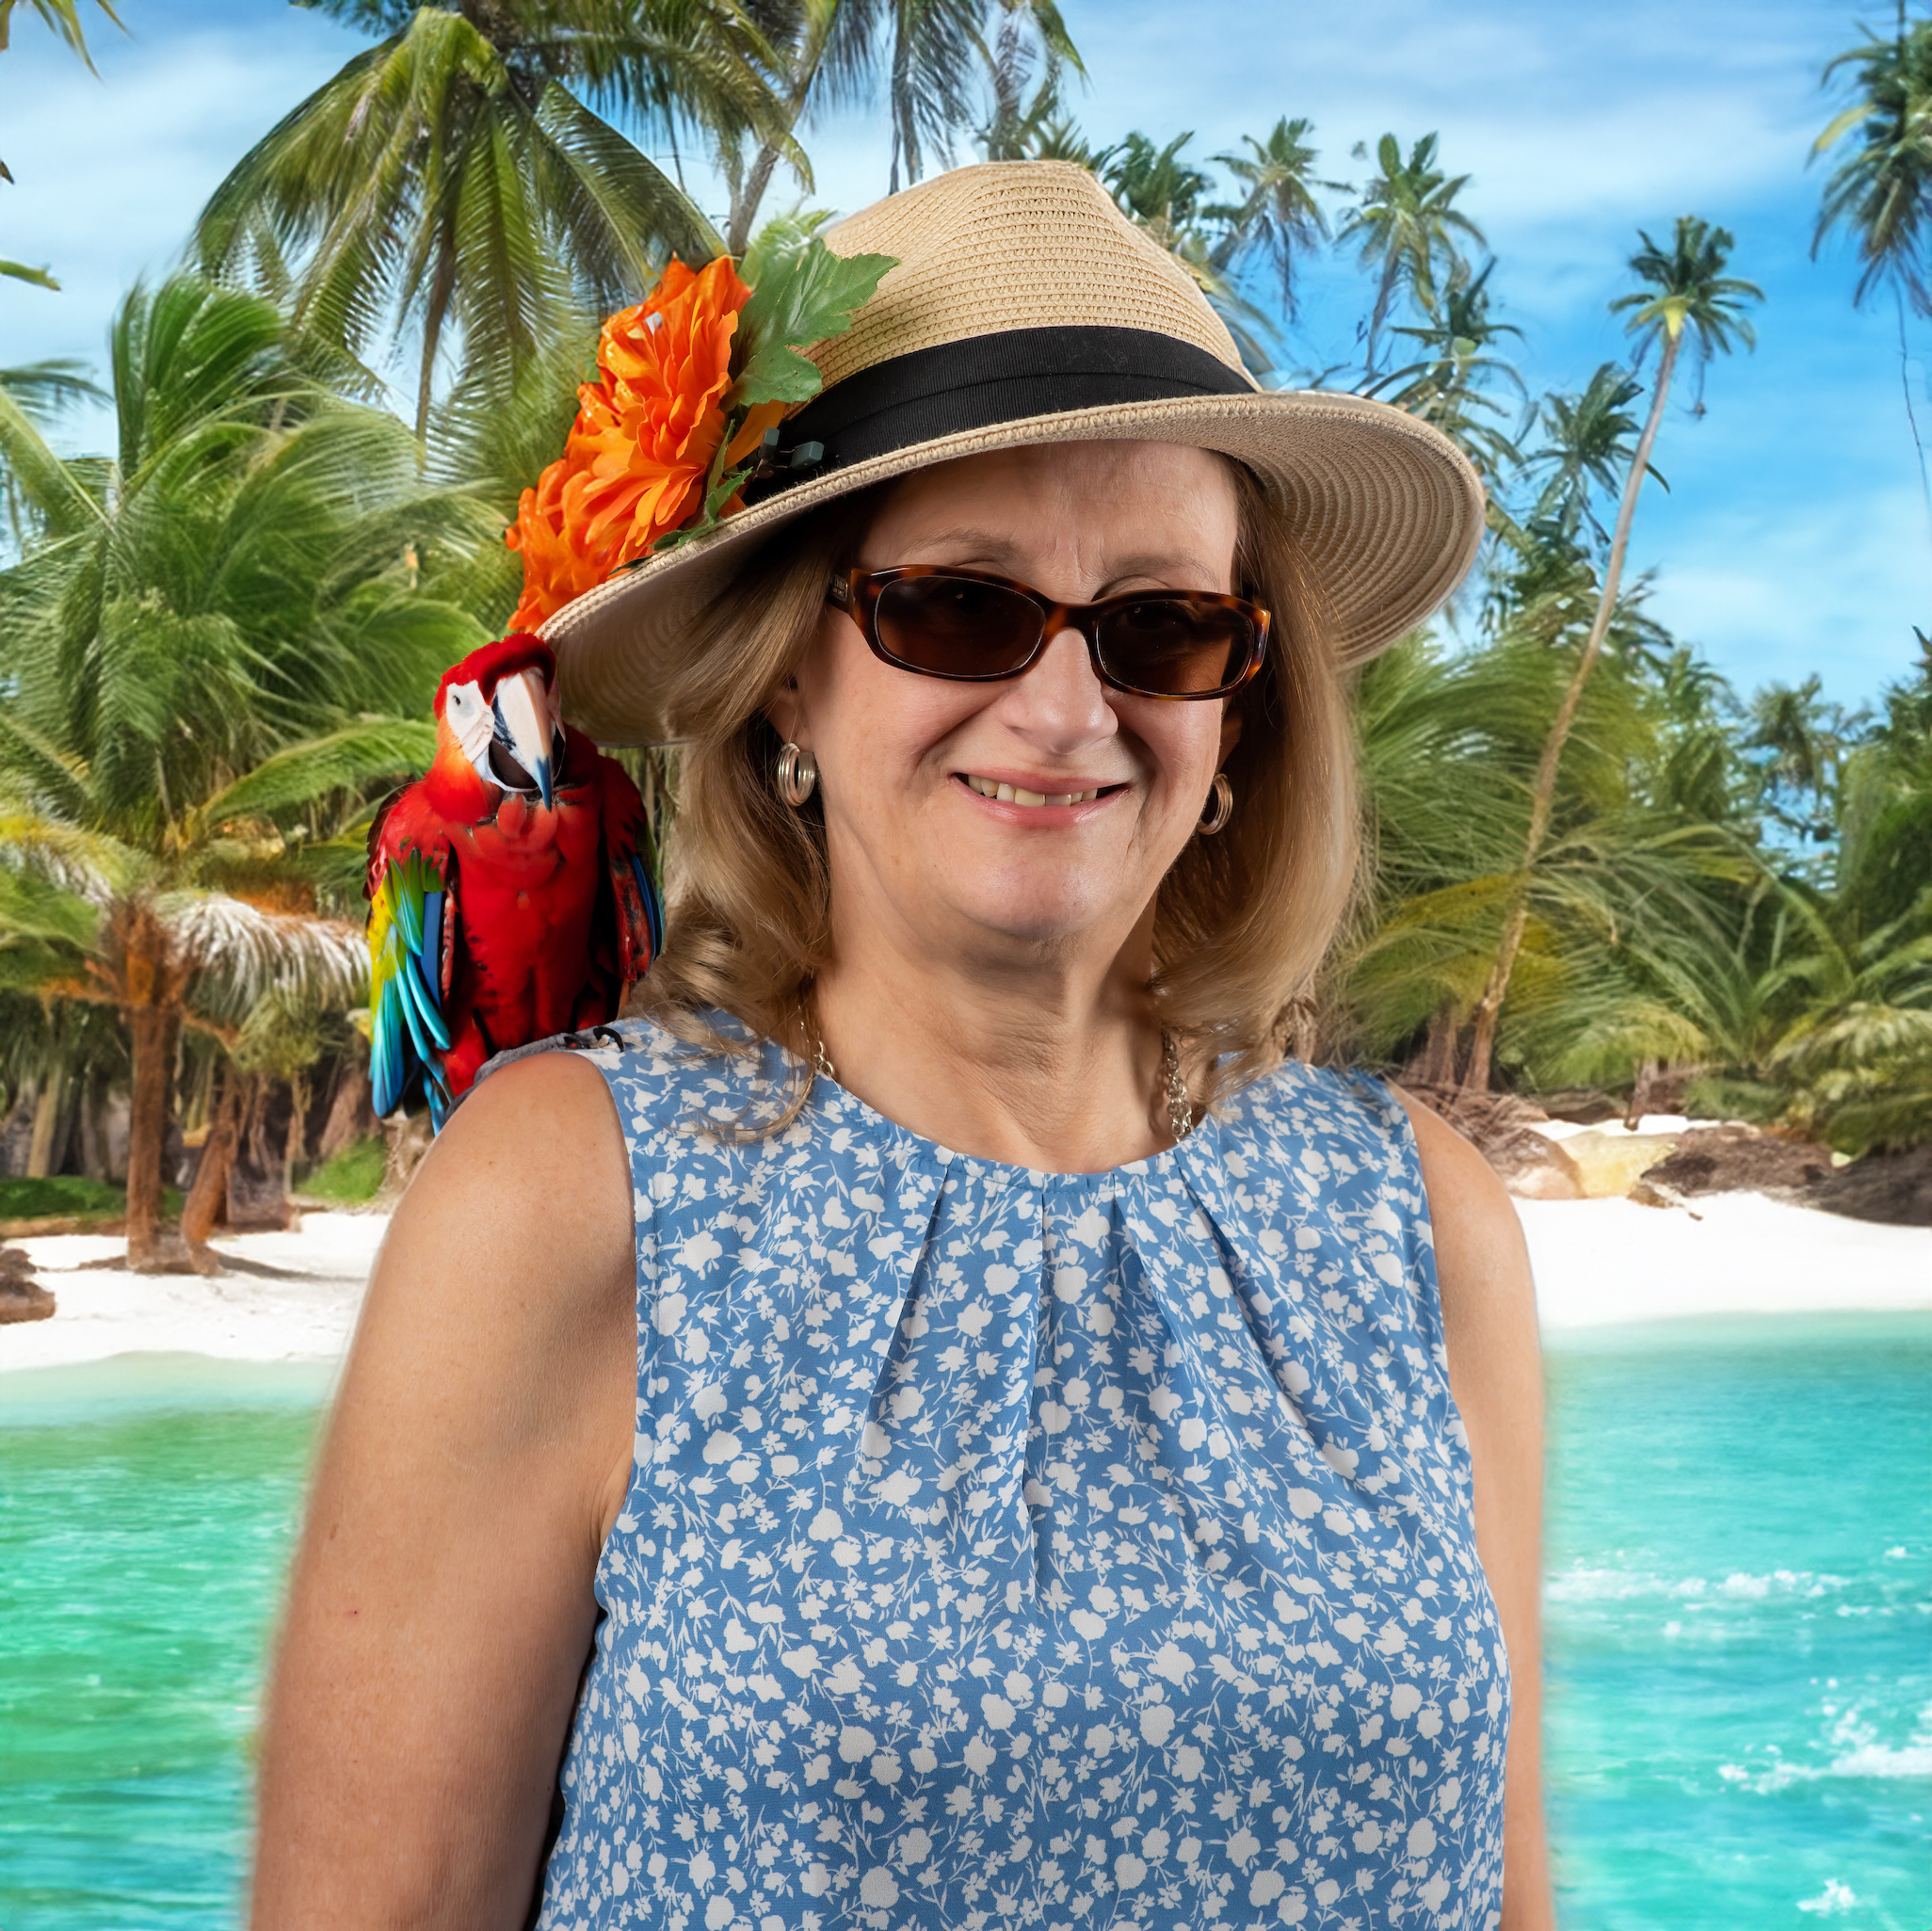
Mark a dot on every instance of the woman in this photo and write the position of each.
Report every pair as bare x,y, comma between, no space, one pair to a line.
937,1423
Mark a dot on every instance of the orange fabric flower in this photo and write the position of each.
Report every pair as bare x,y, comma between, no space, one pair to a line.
646,432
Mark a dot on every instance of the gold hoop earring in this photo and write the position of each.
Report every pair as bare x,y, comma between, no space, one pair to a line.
796,777
1222,810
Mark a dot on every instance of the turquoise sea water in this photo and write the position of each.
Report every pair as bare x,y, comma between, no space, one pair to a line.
1739,1643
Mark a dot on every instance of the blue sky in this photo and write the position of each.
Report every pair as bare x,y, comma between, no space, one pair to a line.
1794,538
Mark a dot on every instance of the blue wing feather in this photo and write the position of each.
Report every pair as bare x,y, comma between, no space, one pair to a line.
389,1066
407,930
430,951
409,998
654,912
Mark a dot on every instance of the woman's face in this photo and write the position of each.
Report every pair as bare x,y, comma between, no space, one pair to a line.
911,842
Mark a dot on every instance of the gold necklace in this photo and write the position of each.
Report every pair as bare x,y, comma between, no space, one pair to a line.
1179,1107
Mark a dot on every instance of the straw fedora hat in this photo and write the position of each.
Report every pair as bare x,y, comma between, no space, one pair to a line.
1026,308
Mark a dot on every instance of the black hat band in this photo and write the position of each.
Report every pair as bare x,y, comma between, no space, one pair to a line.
984,380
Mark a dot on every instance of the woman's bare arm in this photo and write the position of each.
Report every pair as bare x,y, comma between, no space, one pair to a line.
440,1611
1496,1376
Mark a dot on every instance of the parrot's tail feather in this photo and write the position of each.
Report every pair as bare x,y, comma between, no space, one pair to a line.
424,1002
387,1065
409,998
654,912
430,951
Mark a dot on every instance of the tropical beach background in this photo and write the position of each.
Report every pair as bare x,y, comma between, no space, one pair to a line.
293,306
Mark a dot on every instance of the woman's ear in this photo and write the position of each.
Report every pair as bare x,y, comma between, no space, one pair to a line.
786,712
1230,730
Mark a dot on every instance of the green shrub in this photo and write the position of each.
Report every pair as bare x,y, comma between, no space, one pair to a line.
1710,1097
353,1177
70,1194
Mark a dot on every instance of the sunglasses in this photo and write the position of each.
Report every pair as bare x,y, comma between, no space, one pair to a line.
977,628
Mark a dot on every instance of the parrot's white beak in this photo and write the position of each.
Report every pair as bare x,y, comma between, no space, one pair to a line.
525,737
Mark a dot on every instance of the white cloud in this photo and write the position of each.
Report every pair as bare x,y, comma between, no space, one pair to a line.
1831,585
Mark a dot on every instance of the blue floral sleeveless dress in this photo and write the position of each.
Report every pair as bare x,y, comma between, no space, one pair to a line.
1021,1549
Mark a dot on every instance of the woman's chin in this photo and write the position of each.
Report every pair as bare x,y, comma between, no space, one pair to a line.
1045,914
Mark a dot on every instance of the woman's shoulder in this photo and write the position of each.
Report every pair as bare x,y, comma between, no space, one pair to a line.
1298,1109
515,1232
1306,1112
669,1074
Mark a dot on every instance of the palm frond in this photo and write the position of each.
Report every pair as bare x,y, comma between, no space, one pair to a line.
241,954
346,760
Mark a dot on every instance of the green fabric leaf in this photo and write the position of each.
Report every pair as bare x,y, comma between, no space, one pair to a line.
719,493
805,299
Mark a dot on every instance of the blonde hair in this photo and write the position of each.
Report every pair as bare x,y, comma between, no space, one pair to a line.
1243,919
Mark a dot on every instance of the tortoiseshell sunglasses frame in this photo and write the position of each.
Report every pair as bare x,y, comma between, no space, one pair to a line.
857,592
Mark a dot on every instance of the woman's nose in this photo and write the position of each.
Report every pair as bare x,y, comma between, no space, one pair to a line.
1059,704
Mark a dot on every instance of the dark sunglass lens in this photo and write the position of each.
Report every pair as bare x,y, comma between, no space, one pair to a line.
955,627
1174,647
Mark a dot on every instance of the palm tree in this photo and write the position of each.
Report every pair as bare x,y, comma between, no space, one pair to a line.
1643,869
1164,196
1689,296
1882,190
448,180
1798,741
1884,804
830,54
1277,215
1019,128
1851,977
1587,454
1448,385
1408,226
1161,191
223,637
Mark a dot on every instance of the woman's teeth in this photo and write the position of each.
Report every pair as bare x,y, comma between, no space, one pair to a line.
1006,795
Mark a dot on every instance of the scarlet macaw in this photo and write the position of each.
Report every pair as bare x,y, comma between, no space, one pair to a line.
509,887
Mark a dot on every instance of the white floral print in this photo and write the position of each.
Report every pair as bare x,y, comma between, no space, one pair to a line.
1013,1549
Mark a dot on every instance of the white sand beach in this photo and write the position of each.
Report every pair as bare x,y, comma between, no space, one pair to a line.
304,1311
1603,1261
1597,1263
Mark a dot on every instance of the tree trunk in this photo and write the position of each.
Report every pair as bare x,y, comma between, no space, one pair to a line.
745,207
94,1137
259,1157
1482,1048
745,200
153,1020
294,1145
1905,378
904,133
48,1105
156,1030
349,1118
1641,1083
1435,1066
208,1197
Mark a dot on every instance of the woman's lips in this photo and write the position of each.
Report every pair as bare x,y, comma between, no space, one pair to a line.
1000,788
